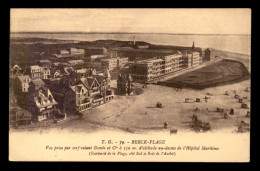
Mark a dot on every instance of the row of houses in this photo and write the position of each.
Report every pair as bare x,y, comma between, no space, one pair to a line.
67,53
47,70
145,70
73,92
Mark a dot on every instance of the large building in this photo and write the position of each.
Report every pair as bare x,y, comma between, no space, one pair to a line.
133,54
166,64
76,62
122,62
94,51
35,72
74,51
146,70
114,63
172,62
93,58
40,100
196,58
177,61
109,63
191,59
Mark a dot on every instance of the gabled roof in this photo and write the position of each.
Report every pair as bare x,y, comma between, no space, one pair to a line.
99,78
78,88
38,82
68,70
89,81
73,88
85,82
23,78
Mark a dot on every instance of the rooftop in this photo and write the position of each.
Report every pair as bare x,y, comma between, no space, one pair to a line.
83,70
35,67
23,78
38,82
148,61
76,61
91,47
63,55
45,61
108,59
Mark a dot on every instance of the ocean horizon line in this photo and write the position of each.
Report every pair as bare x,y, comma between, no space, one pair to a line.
81,32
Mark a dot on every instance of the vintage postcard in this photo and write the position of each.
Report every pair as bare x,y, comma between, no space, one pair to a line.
138,85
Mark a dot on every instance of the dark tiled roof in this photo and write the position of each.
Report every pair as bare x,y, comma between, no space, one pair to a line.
85,81
38,82
99,78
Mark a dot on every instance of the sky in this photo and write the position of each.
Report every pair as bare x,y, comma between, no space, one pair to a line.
178,21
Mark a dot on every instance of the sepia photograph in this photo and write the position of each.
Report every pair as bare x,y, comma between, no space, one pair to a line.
142,85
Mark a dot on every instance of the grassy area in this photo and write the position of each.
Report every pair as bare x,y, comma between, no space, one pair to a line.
220,73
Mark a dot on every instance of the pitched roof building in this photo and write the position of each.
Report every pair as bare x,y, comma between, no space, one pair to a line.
41,102
22,83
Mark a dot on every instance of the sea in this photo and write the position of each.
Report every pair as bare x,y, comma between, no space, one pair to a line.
232,43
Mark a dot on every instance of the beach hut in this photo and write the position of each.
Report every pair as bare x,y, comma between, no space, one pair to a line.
165,125
173,131
248,114
231,111
159,105
197,99
244,127
244,106
237,96
188,100
207,97
225,116
220,110
240,100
